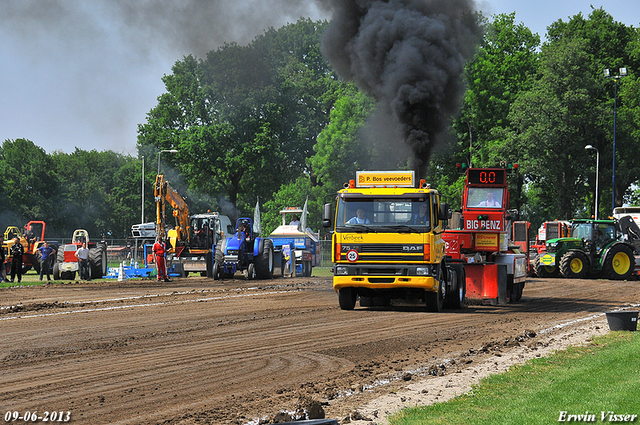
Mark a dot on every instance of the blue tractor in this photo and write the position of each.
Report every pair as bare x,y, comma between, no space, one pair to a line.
244,252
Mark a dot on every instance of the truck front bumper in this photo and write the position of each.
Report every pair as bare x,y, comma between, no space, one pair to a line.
414,276
428,283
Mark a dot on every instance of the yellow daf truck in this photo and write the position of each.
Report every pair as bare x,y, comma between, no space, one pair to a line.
387,243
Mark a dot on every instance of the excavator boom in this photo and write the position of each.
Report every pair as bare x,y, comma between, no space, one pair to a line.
164,193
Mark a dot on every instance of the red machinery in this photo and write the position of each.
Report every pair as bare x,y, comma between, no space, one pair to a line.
548,230
495,264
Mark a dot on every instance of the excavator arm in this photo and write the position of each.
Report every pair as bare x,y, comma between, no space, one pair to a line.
164,194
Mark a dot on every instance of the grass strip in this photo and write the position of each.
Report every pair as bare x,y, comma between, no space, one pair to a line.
595,380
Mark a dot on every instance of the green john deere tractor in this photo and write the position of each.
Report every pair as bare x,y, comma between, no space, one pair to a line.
595,248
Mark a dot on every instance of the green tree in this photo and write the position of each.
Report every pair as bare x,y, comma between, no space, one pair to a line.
93,185
340,151
30,187
551,124
245,119
613,45
503,67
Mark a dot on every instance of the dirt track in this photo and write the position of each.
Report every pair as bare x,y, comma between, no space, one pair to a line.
198,351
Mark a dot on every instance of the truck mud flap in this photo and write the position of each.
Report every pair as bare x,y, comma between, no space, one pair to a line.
486,283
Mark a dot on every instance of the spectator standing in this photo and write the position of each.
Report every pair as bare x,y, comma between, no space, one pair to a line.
16,251
46,253
82,254
159,252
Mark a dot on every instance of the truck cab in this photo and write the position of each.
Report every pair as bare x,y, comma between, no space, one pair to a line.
387,243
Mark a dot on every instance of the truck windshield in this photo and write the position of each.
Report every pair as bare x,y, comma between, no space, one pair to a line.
484,197
382,215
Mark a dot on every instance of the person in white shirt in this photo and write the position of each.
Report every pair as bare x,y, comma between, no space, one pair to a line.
82,254
359,218
490,201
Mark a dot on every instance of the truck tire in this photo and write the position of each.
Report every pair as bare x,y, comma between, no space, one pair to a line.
60,255
543,271
208,258
435,300
516,293
251,271
216,270
218,257
98,261
347,298
619,263
56,271
574,265
456,298
36,262
264,261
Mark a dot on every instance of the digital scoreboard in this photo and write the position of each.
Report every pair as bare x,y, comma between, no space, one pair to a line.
489,176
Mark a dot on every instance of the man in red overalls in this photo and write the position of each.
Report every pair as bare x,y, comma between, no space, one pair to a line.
159,251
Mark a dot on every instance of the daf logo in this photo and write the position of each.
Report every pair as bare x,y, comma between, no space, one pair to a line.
411,248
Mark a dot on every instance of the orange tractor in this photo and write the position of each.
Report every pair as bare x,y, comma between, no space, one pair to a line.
31,238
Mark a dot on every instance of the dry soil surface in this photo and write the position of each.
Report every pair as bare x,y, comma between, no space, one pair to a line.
199,351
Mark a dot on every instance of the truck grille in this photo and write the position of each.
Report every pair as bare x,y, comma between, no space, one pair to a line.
399,253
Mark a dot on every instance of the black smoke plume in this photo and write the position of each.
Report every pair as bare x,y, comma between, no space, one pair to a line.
409,55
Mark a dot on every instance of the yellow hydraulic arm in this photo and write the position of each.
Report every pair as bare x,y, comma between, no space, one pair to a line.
165,193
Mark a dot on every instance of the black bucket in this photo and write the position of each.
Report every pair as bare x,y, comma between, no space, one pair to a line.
622,320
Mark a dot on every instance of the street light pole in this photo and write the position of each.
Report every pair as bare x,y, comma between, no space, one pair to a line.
164,151
142,214
607,74
589,147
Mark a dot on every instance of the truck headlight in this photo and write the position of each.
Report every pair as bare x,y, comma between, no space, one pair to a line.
341,271
422,271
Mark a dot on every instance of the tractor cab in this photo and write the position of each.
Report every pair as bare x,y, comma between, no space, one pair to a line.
244,229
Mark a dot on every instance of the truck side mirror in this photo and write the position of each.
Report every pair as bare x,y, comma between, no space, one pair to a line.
326,215
444,213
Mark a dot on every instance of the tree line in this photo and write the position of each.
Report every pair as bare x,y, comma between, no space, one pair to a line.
272,122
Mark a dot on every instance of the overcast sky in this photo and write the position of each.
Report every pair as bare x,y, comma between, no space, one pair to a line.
84,73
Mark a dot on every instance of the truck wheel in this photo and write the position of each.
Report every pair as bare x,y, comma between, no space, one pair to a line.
435,300
216,270
619,263
36,262
574,265
56,271
516,294
98,261
209,260
543,271
219,259
264,261
347,298
251,271
456,298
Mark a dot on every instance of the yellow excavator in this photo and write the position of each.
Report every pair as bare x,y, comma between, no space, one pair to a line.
193,238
